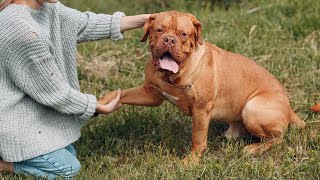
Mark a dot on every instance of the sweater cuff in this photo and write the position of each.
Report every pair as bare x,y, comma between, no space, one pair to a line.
91,108
115,26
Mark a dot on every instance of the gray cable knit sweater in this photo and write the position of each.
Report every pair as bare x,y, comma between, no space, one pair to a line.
41,107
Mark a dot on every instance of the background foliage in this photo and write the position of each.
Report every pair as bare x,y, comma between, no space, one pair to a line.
148,143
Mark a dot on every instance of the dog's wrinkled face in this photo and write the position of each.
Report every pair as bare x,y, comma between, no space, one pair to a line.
172,38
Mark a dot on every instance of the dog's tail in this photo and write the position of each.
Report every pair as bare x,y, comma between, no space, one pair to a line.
315,108
296,121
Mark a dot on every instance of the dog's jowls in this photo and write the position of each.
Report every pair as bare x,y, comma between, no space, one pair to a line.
209,83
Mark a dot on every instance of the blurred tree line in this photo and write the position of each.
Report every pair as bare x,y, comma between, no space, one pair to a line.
168,4
150,6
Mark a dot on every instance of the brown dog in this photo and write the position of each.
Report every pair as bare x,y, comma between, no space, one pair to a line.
209,83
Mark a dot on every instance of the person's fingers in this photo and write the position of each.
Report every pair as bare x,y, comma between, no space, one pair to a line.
113,105
113,108
116,100
119,94
119,105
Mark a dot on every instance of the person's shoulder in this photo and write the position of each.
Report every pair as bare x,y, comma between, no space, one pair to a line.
14,17
65,12
52,6
15,31
57,6
14,27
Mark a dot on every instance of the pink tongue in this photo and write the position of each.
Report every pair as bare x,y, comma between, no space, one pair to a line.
169,64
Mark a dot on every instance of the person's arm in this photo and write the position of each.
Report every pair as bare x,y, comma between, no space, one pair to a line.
99,26
91,26
132,22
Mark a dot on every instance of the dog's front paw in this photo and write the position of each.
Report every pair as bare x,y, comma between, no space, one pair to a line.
107,97
190,161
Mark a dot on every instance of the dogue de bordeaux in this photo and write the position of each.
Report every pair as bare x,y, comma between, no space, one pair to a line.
209,83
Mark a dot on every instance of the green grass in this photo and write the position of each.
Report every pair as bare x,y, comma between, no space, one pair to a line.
149,142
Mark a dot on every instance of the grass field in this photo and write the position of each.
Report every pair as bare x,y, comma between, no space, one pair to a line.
149,143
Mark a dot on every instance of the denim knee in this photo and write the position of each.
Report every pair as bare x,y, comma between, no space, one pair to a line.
65,171
71,149
72,169
59,163
74,165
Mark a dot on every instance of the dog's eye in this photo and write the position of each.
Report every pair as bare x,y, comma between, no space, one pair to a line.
184,34
159,30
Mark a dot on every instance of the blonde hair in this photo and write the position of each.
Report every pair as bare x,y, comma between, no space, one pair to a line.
5,3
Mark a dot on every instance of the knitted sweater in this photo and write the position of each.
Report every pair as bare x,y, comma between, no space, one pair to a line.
41,107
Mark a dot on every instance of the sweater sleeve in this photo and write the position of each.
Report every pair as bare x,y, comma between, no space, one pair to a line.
91,26
99,26
33,69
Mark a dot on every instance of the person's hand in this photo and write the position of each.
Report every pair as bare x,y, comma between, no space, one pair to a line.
132,22
112,106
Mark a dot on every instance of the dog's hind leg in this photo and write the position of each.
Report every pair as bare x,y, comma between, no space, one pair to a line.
267,120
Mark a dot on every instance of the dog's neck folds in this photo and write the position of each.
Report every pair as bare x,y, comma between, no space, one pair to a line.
190,68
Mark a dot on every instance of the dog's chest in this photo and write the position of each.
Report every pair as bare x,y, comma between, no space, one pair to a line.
173,99
180,97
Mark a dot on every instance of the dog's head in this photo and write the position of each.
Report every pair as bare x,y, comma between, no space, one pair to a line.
173,36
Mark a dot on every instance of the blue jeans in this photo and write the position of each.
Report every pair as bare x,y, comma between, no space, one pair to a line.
60,163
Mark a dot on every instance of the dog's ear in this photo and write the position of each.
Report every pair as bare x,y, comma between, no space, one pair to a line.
198,28
146,28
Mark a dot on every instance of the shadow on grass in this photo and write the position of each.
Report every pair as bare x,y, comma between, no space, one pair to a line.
140,130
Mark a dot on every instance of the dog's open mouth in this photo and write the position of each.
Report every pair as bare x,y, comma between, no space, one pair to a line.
168,63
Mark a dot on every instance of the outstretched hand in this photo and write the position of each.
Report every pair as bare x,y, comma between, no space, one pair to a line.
111,106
